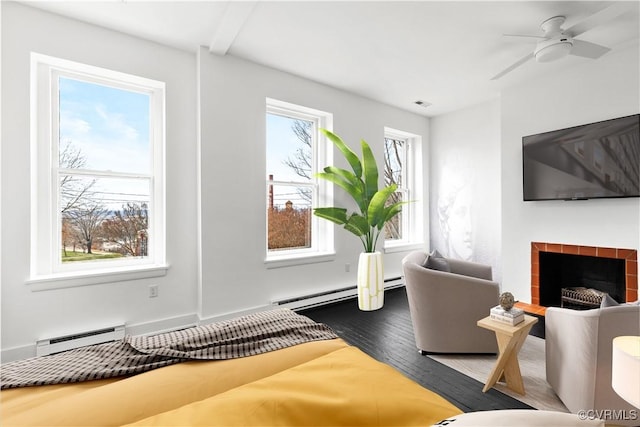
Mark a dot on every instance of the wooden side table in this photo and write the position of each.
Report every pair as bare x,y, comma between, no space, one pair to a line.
510,340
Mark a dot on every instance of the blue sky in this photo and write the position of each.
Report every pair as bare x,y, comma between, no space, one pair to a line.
106,123
281,144
110,127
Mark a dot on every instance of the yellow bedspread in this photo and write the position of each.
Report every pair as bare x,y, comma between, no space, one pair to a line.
316,383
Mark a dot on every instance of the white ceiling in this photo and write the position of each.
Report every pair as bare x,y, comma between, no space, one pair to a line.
440,52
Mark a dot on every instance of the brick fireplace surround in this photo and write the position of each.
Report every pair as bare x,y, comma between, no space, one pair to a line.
629,255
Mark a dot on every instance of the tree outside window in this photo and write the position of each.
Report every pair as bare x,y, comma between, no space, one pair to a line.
394,173
293,155
99,161
290,192
104,155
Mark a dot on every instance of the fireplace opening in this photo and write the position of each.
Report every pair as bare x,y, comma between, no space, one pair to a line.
579,281
551,287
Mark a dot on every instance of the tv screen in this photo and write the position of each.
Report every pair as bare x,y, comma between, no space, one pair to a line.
597,160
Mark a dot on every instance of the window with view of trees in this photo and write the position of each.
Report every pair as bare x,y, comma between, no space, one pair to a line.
399,168
294,150
99,162
394,172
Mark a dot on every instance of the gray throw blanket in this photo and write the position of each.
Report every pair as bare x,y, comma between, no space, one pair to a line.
244,336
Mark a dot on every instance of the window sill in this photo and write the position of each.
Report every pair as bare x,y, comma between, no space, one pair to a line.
402,247
95,277
298,259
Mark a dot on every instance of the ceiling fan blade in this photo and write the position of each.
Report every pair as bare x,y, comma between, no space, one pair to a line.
513,66
527,36
600,17
588,49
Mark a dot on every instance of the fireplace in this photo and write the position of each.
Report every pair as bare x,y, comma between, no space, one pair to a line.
568,277
555,267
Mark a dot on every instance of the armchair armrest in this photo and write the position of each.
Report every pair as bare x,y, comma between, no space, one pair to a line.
571,342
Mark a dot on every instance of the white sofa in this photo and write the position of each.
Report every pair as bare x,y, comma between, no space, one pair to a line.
578,358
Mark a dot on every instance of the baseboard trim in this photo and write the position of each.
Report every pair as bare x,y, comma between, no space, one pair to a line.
232,314
193,319
304,302
18,353
143,328
163,325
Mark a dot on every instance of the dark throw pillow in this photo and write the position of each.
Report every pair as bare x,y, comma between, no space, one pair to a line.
607,301
435,261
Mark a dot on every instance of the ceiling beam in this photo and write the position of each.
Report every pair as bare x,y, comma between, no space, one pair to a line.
235,15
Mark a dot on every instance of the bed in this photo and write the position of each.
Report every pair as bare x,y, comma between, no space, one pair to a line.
320,380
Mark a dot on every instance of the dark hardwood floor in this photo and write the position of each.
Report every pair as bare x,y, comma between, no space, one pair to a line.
387,335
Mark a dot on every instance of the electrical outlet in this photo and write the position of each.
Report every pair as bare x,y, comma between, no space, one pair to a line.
153,291
347,267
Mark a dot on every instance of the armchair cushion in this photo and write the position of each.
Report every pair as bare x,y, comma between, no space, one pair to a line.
435,261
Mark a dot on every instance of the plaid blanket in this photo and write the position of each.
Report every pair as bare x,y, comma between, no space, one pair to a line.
244,336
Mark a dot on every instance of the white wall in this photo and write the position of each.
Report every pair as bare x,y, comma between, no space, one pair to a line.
229,96
233,94
465,184
230,99
596,90
27,315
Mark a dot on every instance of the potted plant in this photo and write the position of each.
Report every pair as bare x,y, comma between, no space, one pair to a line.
368,221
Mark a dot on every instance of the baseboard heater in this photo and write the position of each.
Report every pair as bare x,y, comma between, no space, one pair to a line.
328,297
48,346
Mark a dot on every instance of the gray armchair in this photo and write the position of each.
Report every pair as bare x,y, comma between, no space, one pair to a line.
578,348
445,305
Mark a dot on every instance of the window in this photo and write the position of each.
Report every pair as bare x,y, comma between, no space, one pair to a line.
401,168
295,152
98,171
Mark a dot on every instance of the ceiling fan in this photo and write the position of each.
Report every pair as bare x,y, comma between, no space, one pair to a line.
557,42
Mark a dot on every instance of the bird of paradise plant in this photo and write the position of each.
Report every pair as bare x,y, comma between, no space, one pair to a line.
362,185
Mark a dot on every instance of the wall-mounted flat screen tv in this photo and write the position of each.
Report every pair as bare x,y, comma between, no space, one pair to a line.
596,160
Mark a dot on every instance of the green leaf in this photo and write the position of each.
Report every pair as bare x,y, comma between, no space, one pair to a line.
348,154
362,186
358,225
347,175
354,191
377,205
370,171
389,212
337,215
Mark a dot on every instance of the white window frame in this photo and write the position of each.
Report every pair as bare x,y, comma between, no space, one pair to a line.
47,271
322,231
412,227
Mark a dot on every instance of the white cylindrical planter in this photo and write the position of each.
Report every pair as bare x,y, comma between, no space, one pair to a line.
370,281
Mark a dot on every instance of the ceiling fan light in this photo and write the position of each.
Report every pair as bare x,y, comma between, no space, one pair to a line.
551,52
